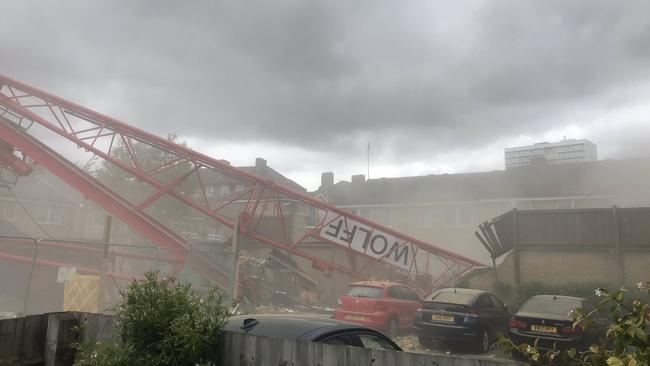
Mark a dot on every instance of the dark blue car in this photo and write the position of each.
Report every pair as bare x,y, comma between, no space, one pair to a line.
462,317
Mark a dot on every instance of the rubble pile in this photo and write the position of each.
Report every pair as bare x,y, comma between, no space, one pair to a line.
277,285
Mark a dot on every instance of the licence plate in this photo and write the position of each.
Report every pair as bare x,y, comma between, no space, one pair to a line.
543,328
356,317
444,318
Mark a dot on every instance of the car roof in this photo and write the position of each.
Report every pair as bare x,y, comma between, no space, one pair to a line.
557,297
462,290
471,295
291,326
377,283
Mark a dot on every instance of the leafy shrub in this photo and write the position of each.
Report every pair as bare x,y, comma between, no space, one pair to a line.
160,322
626,342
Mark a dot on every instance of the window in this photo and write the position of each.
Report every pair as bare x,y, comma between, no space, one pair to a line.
224,190
387,217
364,291
458,216
547,305
426,219
214,233
9,211
48,215
339,340
375,215
453,297
209,191
373,341
408,294
484,302
239,187
496,303
394,292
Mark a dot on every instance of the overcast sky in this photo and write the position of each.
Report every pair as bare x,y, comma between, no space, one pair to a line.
434,86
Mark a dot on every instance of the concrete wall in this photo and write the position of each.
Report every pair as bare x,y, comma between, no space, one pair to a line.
459,237
559,267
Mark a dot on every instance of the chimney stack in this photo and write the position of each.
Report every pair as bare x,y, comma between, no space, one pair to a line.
326,181
358,179
260,163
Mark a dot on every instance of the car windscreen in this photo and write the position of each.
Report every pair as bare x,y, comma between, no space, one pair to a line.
453,298
550,306
364,291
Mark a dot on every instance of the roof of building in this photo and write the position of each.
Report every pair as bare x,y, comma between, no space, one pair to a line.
549,144
260,169
624,178
274,175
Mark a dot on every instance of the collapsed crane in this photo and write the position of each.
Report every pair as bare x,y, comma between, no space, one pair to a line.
36,126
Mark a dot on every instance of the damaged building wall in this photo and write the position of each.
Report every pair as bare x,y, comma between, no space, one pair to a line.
607,245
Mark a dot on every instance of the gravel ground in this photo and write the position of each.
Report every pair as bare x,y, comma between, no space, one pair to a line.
409,343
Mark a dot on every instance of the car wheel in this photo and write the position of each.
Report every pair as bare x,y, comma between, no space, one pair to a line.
483,343
392,327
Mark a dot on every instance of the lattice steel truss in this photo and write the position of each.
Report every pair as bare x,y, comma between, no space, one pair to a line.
31,120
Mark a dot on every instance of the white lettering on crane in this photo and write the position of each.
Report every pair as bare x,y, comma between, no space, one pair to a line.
370,241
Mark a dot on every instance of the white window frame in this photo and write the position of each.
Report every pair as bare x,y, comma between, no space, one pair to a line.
457,214
424,212
9,211
387,216
50,218
224,190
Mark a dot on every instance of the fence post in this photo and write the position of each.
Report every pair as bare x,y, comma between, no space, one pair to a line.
515,245
106,239
31,274
235,267
616,217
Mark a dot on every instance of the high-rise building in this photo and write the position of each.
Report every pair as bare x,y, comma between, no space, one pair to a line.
565,151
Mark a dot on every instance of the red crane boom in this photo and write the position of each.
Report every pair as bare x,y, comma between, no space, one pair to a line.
29,118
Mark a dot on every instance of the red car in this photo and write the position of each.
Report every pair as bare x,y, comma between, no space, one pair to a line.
383,305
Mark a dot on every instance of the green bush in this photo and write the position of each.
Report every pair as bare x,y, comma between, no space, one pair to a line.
160,322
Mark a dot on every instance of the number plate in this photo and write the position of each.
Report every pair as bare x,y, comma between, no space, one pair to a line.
356,317
444,318
543,328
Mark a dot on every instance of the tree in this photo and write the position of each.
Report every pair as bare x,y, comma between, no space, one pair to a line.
167,210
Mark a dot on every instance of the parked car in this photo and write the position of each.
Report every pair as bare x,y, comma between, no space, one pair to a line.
547,319
462,317
387,306
311,328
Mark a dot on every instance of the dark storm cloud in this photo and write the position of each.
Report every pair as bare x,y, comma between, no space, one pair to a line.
416,76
